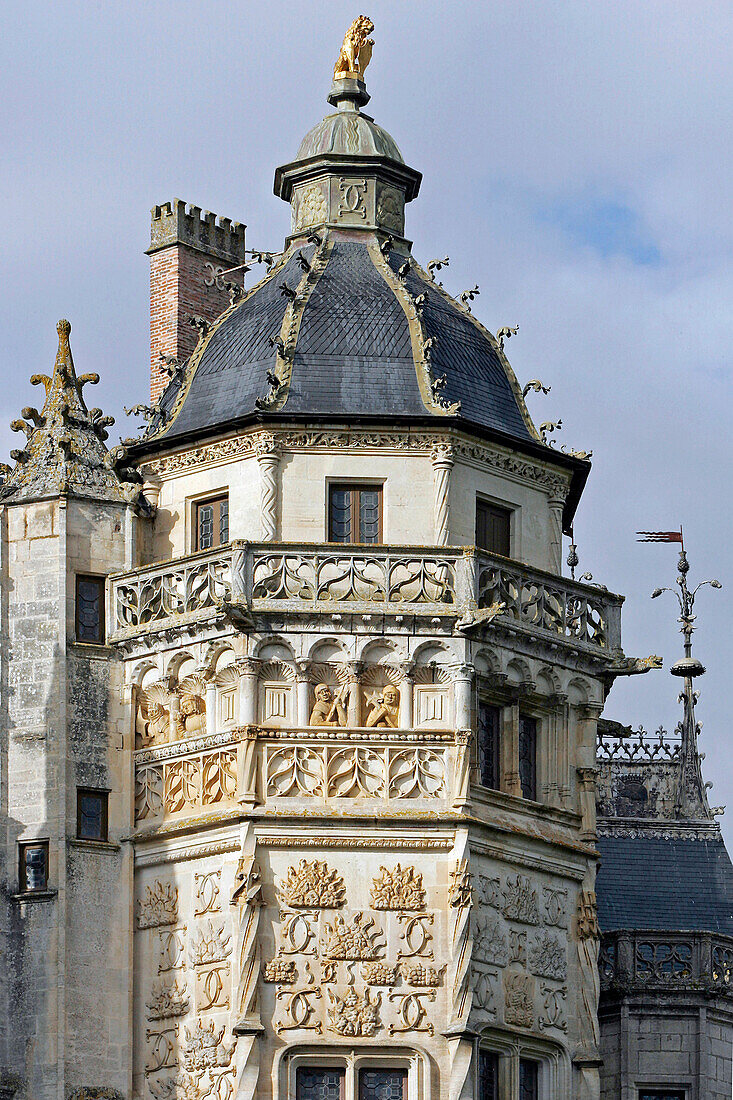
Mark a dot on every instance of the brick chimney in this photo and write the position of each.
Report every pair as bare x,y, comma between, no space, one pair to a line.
188,252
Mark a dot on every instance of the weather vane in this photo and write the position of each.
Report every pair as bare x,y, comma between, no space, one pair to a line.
690,799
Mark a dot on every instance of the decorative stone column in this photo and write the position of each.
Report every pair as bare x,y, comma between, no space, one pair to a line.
587,798
353,710
268,453
442,456
462,695
557,503
303,703
407,694
248,668
511,782
211,707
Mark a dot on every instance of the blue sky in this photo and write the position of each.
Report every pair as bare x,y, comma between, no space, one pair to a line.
577,166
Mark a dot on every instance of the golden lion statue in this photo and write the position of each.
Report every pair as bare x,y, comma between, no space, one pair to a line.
356,51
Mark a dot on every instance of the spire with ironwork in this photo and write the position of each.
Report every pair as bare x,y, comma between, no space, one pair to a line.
691,795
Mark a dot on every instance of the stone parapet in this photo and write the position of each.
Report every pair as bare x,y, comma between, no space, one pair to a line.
178,222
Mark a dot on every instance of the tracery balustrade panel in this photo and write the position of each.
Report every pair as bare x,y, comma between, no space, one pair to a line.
334,577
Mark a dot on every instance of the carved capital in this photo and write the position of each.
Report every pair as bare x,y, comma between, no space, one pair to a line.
462,672
267,447
248,666
443,454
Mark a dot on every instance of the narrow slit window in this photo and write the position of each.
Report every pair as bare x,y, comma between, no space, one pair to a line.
662,1094
211,518
91,814
355,513
528,756
33,869
89,625
489,744
493,528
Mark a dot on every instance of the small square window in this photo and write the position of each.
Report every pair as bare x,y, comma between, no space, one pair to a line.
492,528
211,523
33,870
89,609
382,1084
488,1075
91,814
528,756
319,1083
355,513
489,745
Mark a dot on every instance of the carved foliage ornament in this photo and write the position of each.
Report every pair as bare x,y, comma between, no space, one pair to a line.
358,939
354,1014
313,885
520,901
159,907
398,889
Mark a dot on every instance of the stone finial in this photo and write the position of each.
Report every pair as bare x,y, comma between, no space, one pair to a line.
64,451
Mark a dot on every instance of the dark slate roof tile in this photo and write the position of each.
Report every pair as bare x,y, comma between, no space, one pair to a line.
666,884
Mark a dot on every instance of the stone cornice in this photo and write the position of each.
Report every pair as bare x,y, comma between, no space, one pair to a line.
463,446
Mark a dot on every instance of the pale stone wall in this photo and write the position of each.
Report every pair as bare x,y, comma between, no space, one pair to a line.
67,968
301,475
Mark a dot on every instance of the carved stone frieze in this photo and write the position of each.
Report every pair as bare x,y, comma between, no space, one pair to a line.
282,971
211,943
167,999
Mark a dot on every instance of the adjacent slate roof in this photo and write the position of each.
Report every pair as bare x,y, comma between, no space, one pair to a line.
664,883
354,351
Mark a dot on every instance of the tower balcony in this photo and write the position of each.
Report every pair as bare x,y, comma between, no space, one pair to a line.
469,586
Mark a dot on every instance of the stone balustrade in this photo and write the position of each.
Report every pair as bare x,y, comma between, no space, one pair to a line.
635,961
358,579
254,765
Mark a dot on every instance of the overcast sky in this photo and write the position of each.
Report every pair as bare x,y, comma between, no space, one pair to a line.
577,166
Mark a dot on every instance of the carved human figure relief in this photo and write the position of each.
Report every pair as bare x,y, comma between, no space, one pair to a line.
191,717
330,709
152,716
384,708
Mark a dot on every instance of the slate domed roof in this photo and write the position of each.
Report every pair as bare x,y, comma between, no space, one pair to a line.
354,344
351,135
346,323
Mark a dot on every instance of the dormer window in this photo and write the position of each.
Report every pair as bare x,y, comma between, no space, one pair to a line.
354,513
211,523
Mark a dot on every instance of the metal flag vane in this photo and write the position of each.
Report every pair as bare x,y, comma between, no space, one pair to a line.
691,798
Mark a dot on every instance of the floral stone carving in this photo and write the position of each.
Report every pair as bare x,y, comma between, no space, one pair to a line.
379,973
314,886
398,889
210,945
205,1048
547,957
359,939
280,970
167,999
520,901
518,999
354,1014
159,907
